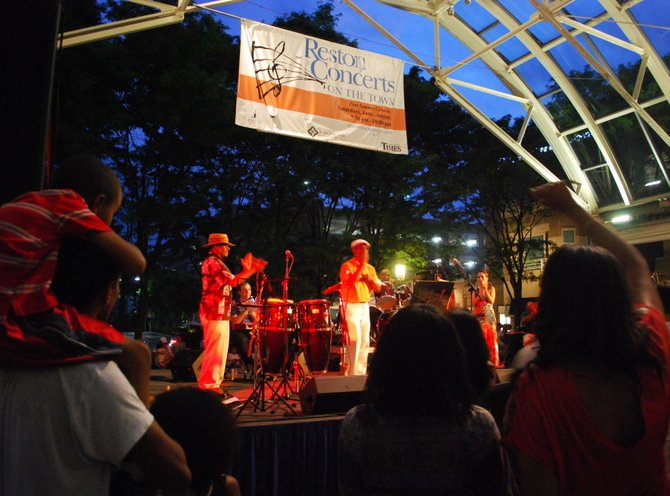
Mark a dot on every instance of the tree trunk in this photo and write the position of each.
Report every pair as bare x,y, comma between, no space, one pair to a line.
517,306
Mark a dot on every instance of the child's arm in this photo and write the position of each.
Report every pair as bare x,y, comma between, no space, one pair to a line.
127,255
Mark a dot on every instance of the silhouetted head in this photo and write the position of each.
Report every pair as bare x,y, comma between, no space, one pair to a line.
419,342
203,426
94,181
474,345
86,278
585,312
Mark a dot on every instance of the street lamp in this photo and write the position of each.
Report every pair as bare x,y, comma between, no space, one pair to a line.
436,239
400,271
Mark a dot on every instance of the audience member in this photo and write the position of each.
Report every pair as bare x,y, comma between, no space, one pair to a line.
242,318
419,433
34,329
469,330
205,428
591,415
483,376
87,279
63,429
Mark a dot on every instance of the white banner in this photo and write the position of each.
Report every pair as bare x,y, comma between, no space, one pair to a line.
310,88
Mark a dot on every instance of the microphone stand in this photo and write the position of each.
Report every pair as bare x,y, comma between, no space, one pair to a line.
258,397
467,279
298,374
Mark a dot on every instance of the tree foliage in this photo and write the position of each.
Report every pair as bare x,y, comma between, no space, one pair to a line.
159,106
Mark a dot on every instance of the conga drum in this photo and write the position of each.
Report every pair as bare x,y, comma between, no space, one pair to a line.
276,325
315,333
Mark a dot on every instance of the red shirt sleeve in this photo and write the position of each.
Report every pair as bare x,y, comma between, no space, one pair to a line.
659,335
524,419
74,218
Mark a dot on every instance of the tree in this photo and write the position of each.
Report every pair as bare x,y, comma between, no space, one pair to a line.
488,191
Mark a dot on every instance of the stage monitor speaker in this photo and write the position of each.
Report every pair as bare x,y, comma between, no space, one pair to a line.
332,394
185,365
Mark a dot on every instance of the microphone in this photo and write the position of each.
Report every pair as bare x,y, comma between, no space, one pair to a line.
288,253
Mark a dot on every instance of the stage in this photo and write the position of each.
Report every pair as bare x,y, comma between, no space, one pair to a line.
278,453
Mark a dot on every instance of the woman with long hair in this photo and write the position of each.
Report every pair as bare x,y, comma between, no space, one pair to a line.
590,416
482,306
418,432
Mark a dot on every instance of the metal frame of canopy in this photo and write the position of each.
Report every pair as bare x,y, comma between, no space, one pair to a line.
443,18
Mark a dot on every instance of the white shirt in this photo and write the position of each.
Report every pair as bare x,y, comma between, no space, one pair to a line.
62,430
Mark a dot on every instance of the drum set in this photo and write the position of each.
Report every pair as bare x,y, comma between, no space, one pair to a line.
282,334
282,323
383,308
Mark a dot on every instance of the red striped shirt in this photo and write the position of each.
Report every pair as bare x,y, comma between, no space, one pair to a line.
31,229
217,298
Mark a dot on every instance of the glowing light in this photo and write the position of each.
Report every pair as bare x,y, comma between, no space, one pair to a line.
137,279
400,271
471,243
621,219
653,183
470,264
436,239
437,261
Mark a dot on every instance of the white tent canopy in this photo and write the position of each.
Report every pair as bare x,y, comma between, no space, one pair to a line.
545,57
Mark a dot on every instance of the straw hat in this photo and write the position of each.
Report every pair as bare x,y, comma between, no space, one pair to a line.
217,239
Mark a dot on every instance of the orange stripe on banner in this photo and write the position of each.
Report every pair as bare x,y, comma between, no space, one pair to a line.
321,104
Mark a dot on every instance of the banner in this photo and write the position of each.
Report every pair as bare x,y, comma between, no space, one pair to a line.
306,87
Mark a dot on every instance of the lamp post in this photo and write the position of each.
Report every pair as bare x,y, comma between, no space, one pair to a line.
400,272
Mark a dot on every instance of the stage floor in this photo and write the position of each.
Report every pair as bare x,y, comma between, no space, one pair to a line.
161,381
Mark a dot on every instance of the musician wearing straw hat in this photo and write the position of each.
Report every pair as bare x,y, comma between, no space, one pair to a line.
216,304
358,279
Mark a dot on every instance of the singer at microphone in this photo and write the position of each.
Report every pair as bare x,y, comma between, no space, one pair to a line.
358,279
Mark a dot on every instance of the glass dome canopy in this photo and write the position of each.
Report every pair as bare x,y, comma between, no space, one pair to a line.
592,75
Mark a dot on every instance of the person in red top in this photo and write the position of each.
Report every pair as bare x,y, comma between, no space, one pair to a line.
482,306
590,416
216,305
35,329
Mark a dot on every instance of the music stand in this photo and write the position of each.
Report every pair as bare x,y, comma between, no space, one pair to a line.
436,293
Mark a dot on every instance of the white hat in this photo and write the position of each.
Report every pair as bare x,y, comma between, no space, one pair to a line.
357,242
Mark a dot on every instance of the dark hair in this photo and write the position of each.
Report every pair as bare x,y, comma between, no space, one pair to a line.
420,341
203,426
474,345
87,176
585,313
82,273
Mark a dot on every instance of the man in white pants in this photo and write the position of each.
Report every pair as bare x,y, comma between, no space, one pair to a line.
215,308
358,279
